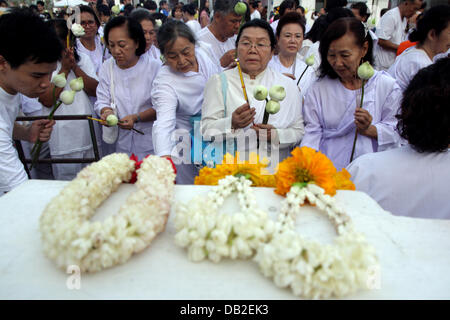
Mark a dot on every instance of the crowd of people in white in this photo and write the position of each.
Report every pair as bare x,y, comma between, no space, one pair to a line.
164,77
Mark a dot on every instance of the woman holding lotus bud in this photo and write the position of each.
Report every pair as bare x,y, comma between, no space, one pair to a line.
332,110
73,81
290,32
125,87
241,113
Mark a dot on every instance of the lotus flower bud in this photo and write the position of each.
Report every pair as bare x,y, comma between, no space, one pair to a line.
115,9
77,84
240,8
67,96
310,60
77,30
272,107
365,71
60,80
260,93
112,120
277,93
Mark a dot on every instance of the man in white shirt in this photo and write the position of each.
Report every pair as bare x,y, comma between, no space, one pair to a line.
255,9
220,34
26,70
391,31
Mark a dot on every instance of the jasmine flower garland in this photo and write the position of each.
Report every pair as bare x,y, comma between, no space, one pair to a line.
209,235
69,238
311,269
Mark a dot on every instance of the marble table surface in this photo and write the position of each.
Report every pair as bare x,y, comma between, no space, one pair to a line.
414,254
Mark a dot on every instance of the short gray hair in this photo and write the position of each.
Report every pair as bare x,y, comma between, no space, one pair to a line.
224,7
170,31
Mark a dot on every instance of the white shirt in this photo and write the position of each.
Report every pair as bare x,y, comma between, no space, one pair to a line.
155,54
288,121
296,69
98,55
30,106
391,27
408,64
12,172
218,48
441,55
255,15
406,182
132,88
330,122
176,97
274,26
194,25
72,135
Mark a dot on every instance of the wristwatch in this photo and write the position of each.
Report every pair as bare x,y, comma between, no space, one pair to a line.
138,118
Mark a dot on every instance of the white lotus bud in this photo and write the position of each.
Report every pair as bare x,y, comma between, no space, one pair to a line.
272,107
310,60
277,93
67,96
77,84
365,71
77,30
115,9
59,80
240,8
260,93
112,120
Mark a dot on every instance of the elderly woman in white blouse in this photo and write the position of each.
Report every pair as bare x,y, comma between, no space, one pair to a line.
233,118
125,85
290,32
178,92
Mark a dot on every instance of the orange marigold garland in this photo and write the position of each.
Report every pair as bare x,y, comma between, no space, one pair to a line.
343,182
305,166
253,169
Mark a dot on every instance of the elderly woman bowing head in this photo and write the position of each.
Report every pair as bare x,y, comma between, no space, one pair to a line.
331,110
226,111
177,92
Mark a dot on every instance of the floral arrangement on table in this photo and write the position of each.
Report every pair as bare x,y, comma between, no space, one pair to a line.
69,238
310,269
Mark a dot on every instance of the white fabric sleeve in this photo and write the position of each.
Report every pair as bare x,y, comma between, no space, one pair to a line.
12,172
103,88
165,103
213,119
386,27
313,128
386,129
294,133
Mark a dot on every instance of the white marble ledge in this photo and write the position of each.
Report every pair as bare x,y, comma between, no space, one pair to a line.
414,254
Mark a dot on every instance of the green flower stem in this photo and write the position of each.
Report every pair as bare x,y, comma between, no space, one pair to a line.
266,114
302,75
50,116
356,130
35,152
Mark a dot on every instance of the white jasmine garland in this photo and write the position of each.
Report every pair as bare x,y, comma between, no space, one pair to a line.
69,238
311,269
209,235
